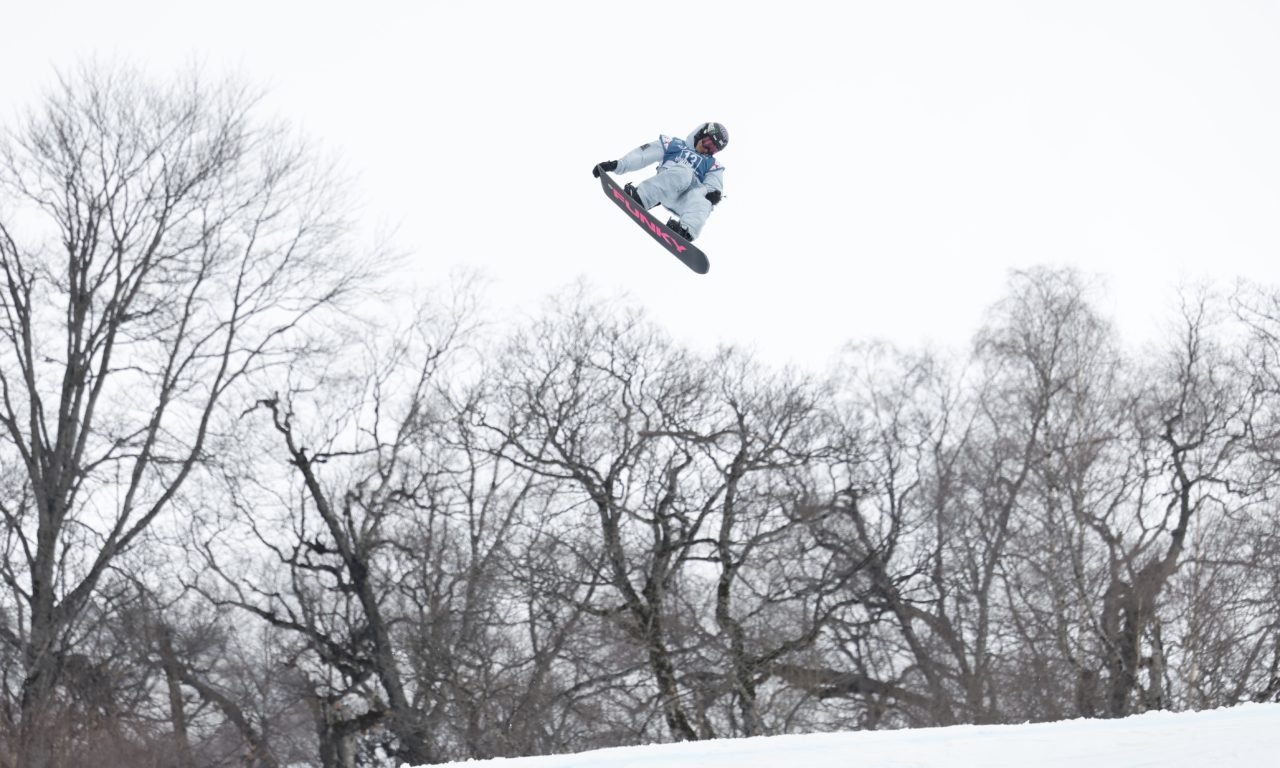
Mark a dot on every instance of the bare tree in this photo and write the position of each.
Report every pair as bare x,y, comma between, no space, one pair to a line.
609,406
229,696
401,552
943,525
882,523
691,471
491,624
160,248
339,545
1188,463
1127,460
773,594
1257,672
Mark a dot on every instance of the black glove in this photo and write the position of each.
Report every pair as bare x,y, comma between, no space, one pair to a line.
607,165
714,196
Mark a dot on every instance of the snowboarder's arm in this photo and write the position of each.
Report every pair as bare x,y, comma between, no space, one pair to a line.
714,179
713,184
645,154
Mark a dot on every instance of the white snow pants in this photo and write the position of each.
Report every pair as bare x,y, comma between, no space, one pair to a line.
679,192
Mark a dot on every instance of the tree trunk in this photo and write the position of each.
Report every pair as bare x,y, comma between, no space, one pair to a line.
177,707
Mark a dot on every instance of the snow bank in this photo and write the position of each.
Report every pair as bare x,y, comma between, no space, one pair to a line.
1240,737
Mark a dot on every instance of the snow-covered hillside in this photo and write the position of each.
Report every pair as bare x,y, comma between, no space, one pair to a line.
1242,737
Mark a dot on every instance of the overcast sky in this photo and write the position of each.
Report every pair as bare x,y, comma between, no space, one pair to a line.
889,161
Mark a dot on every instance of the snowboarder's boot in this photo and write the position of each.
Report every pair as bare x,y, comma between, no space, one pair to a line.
675,226
634,194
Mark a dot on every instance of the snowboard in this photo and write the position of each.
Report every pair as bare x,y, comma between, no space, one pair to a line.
682,249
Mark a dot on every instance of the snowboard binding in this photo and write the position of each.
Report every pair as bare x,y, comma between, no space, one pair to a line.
634,194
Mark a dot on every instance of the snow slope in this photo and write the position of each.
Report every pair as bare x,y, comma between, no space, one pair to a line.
1247,736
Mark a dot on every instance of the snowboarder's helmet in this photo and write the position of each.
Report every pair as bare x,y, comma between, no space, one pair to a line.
715,131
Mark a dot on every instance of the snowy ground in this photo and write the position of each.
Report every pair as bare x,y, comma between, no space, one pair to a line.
1242,737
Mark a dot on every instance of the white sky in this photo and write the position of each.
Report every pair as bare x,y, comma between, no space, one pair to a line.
890,161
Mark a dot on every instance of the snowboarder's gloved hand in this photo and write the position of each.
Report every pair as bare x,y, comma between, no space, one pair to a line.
714,196
607,165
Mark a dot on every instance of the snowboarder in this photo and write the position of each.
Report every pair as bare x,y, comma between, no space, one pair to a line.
689,181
